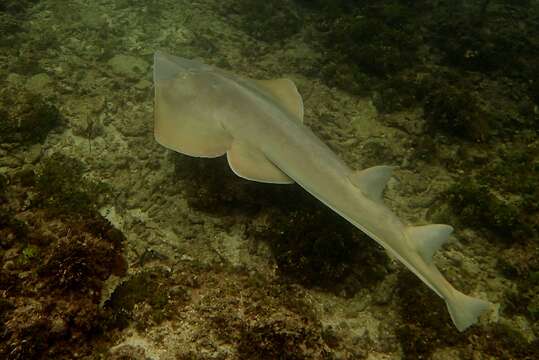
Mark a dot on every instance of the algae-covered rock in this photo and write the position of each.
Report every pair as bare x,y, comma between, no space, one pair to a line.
128,66
39,84
272,20
84,116
281,336
150,287
503,197
54,267
25,117
9,25
59,180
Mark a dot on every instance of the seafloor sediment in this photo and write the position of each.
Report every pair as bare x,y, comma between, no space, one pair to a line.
113,247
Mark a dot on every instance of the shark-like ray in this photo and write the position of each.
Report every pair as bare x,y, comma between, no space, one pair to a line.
206,112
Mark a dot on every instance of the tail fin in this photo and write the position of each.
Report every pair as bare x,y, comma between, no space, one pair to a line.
465,310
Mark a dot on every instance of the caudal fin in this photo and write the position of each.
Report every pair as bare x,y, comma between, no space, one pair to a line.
465,310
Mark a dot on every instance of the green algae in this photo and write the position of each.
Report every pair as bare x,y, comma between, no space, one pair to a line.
12,14
57,269
503,196
262,318
271,21
148,286
25,118
521,264
61,185
478,206
280,338
455,111
500,198
16,6
29,253
468,54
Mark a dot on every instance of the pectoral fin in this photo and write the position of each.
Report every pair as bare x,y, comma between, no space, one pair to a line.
286,93
184,119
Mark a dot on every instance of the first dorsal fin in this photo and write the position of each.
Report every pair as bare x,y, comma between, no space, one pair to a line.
429,238
285,91
372,181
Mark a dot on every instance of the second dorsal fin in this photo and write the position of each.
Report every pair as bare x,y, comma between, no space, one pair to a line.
428,238
285,91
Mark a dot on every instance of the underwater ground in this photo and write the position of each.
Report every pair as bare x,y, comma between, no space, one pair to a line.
112,247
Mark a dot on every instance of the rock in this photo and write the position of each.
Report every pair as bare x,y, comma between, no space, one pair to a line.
10,162
58,326
409,121
445,354
92,18
133,127
476,155
384,292
448,152
365,120
39,84
128,66
84,120
15,79
127,351
33,154
26,116
143,84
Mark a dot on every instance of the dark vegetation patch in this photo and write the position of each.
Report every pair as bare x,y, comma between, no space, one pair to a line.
148,297
390,48
449,110
16,6
12,14
274,337
423,332
479,206
55,261
376,40
311,244
264,319
25,118
316,247
54,264
501,200
271,20
521,264
62,187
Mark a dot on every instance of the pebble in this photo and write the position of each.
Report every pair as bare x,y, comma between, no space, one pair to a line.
15,79
33,154
143,84
128,66
10,162
40,84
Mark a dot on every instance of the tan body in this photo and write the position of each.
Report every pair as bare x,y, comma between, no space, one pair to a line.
206,112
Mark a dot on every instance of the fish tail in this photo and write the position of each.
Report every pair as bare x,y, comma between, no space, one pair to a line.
465,310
